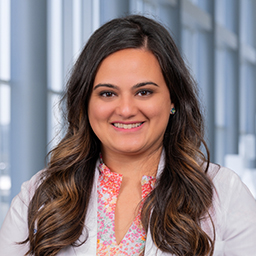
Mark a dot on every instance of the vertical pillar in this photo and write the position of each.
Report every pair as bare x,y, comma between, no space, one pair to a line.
233,83
28,90
171,15
110,9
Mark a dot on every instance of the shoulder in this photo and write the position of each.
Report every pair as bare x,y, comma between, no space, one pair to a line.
227,183
233,212
29,187
27,191
228,187
217,172
15,228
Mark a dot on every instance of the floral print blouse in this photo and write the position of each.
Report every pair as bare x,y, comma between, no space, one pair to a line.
108,187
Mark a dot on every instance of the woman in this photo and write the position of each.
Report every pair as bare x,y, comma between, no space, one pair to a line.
129,177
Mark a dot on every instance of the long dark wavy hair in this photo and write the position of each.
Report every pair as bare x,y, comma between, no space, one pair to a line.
183,193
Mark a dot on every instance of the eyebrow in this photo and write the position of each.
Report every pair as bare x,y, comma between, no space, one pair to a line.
134,87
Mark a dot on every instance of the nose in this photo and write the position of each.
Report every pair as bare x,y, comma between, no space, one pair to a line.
126,107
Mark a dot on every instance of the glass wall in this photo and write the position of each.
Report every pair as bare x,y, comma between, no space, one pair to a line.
217,39
5,107
70,23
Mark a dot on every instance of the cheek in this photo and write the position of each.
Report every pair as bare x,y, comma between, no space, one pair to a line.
98,113
160,109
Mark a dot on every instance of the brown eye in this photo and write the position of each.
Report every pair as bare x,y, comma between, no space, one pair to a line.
107,94
144,92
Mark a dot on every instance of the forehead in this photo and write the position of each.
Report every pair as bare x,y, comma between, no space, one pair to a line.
129,64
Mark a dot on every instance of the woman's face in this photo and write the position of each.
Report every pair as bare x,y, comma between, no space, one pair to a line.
130,103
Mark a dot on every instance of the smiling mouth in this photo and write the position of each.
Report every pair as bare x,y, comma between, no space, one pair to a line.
127,126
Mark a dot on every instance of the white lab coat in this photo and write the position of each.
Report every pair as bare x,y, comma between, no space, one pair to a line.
233,213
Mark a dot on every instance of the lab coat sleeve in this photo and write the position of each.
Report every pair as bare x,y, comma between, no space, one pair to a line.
15,227
239,222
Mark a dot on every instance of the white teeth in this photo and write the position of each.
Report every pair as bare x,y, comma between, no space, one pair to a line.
126,126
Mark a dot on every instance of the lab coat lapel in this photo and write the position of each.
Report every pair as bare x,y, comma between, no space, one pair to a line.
150,247
90,246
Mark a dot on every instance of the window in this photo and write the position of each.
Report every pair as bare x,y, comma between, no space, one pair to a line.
216,37
70,24
5,107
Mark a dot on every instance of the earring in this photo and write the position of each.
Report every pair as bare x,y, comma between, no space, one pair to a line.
173,110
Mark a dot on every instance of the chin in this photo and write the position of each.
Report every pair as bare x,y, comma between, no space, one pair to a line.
129,151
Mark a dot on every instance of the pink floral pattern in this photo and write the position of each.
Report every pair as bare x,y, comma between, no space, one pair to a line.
133,242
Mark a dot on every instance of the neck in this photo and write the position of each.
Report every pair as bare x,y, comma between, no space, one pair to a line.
133,166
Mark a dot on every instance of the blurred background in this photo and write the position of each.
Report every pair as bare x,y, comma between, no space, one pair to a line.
40,41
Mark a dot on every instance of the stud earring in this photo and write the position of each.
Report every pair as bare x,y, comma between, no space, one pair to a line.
173,110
